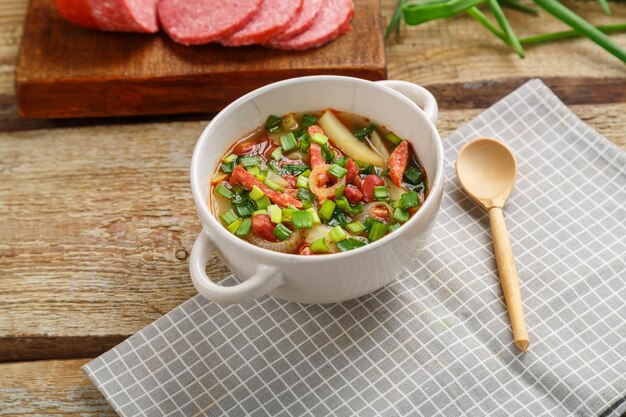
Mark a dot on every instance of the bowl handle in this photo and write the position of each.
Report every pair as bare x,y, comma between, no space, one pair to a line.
416,93
262,282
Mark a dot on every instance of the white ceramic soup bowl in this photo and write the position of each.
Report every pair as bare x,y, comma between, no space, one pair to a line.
407,109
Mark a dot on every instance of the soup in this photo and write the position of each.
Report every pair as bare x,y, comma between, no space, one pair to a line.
317,183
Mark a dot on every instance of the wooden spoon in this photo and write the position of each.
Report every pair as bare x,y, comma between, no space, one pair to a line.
486,169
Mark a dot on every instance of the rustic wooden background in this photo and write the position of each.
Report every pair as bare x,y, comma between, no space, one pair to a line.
97,220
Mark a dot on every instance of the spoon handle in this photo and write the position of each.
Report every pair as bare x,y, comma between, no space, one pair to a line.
508,277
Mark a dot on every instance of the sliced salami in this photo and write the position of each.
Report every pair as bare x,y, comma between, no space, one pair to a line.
273,18
196,22
77,12
310,9
125,15
332,21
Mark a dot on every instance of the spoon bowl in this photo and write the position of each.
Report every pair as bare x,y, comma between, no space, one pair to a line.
486,169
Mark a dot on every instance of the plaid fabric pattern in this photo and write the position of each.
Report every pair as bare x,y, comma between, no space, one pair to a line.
436,342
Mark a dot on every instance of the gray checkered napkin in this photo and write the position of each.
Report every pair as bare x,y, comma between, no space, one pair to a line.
436,342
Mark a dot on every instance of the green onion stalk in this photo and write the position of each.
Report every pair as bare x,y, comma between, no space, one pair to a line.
422,11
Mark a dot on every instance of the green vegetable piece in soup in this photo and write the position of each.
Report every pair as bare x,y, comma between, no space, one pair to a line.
273,123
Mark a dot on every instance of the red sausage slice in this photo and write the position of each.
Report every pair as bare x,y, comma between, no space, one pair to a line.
398,162
304,20
332,21
315,155
245,179
263,227
196,22
125,15
77,12
273,17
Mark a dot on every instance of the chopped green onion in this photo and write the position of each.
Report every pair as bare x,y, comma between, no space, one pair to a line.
259,212
295,169
305,141
290,122
275,167
380,192
358,208
239,189
320,246
337,170
249,161
232,228
304,194
273,185
276,213
337,234
409,200
288,214
223,191
371,169
306,204
343,205
230,158
254,171
273,123
314,216
401,215
303,182
365,132
349,244
320,139
327,153
244,209
413,175
282,232
228,168
339,191
229,217
240,197
339,218
327,209
378,231
369,222
393,138
356,227
256,193
392,227
277,153
262,203
308,120
342,161
288,142
302,220
244,228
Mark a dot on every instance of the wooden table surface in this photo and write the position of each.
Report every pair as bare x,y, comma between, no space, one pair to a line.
97,219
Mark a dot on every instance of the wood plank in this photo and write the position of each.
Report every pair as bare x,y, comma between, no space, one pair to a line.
50,388
462,53
97,224
462,64
65,71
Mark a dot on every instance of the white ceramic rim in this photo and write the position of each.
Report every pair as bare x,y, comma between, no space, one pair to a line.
203,207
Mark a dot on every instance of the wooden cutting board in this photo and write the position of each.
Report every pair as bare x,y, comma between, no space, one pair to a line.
65,71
